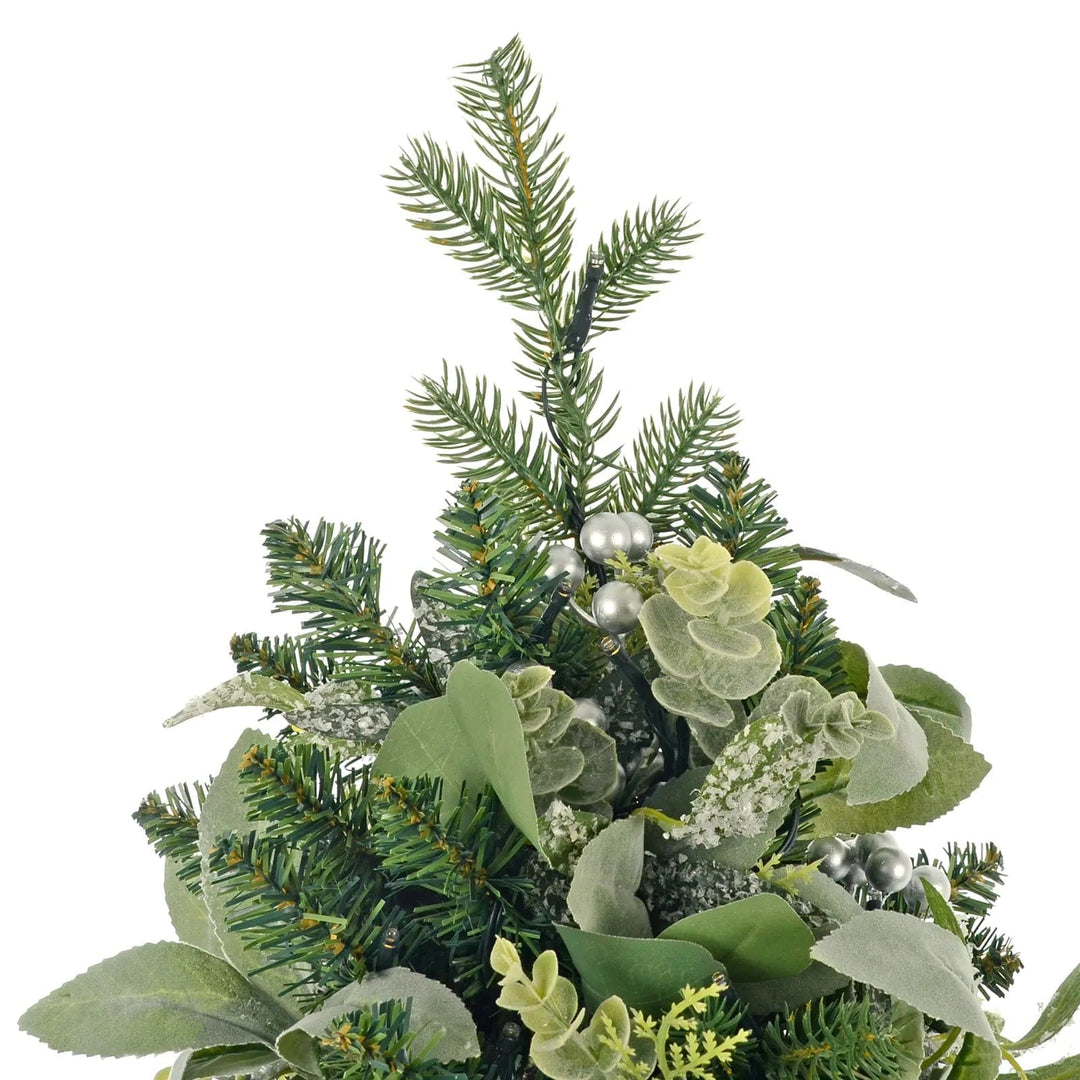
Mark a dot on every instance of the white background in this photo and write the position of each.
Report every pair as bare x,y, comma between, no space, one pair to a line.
212,311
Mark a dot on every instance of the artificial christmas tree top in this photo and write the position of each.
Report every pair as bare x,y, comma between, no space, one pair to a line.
619,802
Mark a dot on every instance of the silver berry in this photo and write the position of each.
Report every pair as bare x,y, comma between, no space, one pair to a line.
564,560
915,894
834,856
641,535
888,870
587,709
602,535
616,607
865,845
855,876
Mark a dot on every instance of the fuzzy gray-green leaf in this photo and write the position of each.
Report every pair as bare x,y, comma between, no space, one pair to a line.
246,689
607,876
153,999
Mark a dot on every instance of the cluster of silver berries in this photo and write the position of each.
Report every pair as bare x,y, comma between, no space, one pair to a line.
877,860
617,604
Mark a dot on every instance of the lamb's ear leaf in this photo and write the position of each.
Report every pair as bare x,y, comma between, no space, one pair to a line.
153,999
1059,1011
245,689
912,960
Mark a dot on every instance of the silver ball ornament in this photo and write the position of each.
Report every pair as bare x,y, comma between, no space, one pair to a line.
834,856
616,607
588,709
641,536
888,870
564,560
915,894
855,876
865,845
602,535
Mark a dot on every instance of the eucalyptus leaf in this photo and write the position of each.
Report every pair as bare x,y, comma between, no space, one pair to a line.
218,1061
735,679
811,884
189,914
245,689
955,771
759,937
712,738
912,960
471,735
647,973
600,771
551,768
726,641
607,875
436,1013
777,693
885,768
153,999
977,1059
860,570
665,625
928,696
1059,1011
687,697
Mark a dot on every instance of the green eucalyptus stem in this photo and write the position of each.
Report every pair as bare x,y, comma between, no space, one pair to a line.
1013,1062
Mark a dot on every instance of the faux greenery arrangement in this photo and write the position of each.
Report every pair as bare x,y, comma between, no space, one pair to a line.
617,803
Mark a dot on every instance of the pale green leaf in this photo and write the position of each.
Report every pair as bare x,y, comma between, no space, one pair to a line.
912,960
942,914
978,1059
647,973
153,999
665,625
725,641
860,570
759,937
811,884
1065,1069
245,689
776,693
601,897
600,772
909,1033
687,697
437,1013
1059,1011
928,696
189,913
955,771
216,1061
735,679
782,995
551,768
749,591
473,735
224,813
885,768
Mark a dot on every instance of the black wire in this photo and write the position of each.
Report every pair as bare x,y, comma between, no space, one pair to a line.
793,829
547,621
654,714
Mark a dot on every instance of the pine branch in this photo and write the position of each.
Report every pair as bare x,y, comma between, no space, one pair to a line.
486,605
807,636
841,1040
996,962
172,826
976,874
473,434
674,454
297,663
638,257
500,98
450,199
738,512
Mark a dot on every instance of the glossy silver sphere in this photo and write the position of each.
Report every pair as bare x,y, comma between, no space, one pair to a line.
641,536
888,870
588,709
564,560
834,855
915,894
602,535
865,845
616,607
855,877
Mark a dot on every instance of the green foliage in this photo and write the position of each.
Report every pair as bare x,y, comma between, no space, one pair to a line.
485,606
697,1037
172,826
738,511
807,636
838,1039
297,663
673,454
996,962
976,872
602,896
1059,1011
